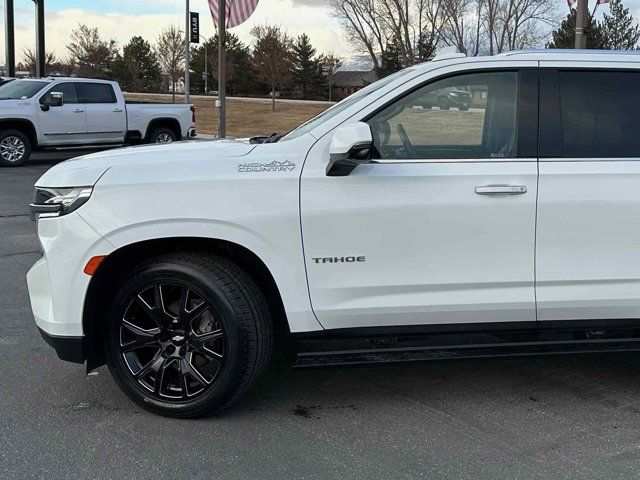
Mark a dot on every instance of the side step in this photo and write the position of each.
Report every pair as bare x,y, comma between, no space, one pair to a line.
377,355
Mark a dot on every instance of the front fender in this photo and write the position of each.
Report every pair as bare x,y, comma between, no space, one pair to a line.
285,264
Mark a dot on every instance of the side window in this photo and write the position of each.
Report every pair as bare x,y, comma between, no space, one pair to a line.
67,89
98,93
466,116
598,114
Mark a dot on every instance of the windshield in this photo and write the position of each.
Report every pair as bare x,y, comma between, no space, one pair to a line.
20,89
343,105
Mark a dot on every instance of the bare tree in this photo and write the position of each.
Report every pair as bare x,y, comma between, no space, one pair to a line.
417,27
514,24
170,51
330,63
30,60
272,57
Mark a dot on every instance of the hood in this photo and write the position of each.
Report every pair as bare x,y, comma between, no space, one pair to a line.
87,170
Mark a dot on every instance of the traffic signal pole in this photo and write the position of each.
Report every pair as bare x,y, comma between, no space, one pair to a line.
10,39
582,13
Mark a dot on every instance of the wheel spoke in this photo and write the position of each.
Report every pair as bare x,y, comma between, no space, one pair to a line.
154,366
142,337
157,312
199,341
187,368
159,378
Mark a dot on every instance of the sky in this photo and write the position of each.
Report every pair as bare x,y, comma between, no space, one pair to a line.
122,19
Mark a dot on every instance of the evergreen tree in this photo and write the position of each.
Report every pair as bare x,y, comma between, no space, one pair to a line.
241,78
565,35
138,68
620,30
426,48
391,59
92,56
308,72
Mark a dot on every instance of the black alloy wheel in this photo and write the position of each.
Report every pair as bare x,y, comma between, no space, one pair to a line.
188,334
171,341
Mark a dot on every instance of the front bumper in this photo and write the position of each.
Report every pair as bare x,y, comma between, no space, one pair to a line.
69,349
57,283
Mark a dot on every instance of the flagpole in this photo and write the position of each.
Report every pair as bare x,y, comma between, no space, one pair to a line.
187,53
581,21
222,75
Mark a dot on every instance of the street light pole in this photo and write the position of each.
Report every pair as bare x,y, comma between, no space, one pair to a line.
582,12
187,53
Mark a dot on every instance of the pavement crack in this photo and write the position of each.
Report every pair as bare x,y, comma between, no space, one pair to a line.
14,215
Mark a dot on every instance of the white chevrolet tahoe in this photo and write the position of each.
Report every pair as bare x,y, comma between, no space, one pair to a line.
382,230
67,112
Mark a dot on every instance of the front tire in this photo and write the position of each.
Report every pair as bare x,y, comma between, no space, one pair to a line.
188,334
15,148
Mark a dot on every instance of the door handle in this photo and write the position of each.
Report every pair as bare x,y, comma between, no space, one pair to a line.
118,110
501,190
78,110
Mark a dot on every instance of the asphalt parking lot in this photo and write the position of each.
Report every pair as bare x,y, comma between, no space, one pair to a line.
553,417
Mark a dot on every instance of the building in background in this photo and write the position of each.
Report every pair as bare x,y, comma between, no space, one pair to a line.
347,82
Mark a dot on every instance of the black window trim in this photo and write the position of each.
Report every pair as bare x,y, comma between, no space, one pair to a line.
550,145
84,99
527,121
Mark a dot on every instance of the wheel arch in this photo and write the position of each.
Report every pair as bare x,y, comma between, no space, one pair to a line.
165,122
22,125
109,276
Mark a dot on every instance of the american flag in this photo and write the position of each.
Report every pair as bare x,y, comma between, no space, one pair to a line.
237,11
571,3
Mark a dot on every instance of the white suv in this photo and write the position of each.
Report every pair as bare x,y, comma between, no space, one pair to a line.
379,231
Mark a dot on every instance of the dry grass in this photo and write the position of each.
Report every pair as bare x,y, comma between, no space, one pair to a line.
438,127
245,118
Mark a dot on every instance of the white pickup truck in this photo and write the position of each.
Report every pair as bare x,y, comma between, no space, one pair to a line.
67,112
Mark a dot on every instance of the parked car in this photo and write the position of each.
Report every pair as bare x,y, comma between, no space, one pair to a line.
445,98
67,112
5,80
369,234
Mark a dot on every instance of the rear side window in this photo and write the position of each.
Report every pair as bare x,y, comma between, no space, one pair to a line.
98,93
599,112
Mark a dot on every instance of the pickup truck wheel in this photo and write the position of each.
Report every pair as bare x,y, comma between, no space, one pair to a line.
162,135
188,334
15,148
443,103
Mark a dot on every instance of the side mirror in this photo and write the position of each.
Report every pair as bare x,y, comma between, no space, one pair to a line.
351,145
56,99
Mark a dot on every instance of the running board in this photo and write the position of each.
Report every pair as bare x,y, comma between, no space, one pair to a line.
331,358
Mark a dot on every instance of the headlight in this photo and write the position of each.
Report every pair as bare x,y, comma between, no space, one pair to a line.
55,202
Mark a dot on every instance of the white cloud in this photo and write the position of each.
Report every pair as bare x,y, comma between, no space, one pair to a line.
316,21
